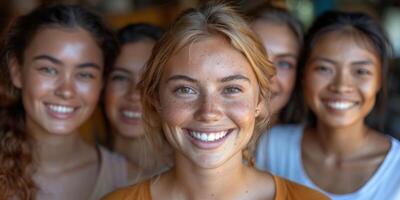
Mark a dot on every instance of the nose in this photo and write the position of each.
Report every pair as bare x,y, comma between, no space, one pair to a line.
274,83
65,89
342,83
133,94
209,109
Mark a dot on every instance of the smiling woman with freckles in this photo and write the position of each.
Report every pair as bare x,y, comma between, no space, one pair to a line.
343,67
202,91
53,63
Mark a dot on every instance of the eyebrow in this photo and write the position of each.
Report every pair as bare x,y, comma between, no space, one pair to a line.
363,62
287,55
181,77
120,69
225,79
324,60
58,62
235,77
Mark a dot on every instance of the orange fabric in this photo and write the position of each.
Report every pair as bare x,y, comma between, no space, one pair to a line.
136,192
285,190
288,190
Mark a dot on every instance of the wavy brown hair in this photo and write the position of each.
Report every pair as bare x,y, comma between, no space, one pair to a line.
195,25
16,146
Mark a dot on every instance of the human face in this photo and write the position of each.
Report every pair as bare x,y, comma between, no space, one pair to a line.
341,80
208,96
122,98
60,79
283,49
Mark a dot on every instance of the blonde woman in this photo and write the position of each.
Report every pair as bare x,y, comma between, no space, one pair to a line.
203,89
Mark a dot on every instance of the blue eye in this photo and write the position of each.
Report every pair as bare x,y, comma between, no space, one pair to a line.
232,90
282,64
48,71
185,91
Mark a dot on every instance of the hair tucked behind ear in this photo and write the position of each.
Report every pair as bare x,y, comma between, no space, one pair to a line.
16,146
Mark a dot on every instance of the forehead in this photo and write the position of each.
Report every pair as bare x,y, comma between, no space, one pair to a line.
63,41
209,56
350,45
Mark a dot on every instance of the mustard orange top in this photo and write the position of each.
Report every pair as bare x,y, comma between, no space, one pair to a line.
285,190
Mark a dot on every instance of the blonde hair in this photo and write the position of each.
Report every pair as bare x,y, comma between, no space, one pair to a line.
191,26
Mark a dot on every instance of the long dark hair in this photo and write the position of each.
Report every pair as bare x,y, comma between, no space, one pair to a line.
367,27
16,146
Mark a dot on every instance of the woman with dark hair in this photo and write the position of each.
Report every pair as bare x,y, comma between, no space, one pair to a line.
53,63
343,67
202,91
122,100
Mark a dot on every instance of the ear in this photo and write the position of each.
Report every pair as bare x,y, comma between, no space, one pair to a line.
15,73
261,106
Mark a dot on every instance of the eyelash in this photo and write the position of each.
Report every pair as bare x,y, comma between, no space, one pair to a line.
181,90
48,70
119,78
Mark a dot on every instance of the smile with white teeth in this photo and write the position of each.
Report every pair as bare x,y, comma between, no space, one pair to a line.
132,114
341,105
61,109
208,137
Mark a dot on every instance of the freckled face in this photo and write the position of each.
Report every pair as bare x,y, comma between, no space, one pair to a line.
122,99
60,79
208,96
342,78
283,49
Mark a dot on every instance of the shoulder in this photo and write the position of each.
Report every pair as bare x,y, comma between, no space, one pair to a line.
140,191
286,189
110,157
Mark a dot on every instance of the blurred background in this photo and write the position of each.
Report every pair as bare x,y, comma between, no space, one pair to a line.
161,12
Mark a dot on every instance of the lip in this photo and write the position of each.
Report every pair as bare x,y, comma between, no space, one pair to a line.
64,111
208,145
340,105
132,116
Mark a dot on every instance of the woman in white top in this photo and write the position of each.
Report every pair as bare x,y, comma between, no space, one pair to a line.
343,68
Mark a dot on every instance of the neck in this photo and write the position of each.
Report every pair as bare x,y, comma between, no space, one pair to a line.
200,183
140,152
341,142
56,152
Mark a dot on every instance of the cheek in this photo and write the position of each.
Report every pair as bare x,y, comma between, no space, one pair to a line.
176,112
241,113
89,91
287,78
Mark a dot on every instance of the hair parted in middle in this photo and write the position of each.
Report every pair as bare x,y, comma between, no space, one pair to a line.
194,25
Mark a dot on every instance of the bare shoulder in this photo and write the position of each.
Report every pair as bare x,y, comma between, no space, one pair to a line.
260,184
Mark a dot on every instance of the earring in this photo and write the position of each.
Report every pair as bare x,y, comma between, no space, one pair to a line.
257,111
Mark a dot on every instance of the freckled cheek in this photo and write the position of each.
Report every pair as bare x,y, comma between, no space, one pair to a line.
176,112
241,112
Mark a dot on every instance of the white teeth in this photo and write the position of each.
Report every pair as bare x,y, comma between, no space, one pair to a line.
341,105
130,114
61,109
208,137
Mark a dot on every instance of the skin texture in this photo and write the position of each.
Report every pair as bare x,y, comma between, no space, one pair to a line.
283,49
341,153
209,87
121,95
61,67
